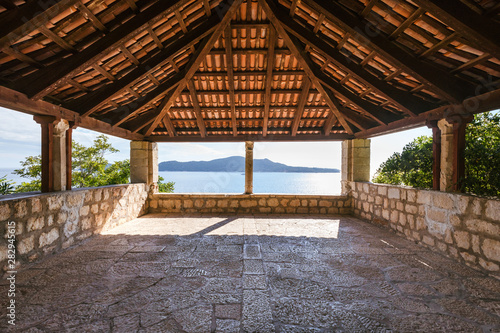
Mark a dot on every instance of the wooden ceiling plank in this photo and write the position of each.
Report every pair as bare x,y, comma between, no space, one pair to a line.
449,87
132,5
155,37
230,76
206,5
88,104
368,8
42,82
197,110
8,4
306,85
14,52
407,102
225,12
439,45
473,62
87,13
104,72
269,77
179,18
16,23
270,9
479,30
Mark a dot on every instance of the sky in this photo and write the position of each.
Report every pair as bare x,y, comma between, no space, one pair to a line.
20,137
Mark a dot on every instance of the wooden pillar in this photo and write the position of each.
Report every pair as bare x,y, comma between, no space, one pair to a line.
47,124
248,167
69,161
436,155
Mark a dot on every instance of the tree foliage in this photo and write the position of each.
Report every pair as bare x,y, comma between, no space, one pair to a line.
165,187
6,186
413,166
89,165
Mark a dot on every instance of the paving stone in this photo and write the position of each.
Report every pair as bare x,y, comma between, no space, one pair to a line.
257,316
253,267
254,281
228,311
227,326
252,251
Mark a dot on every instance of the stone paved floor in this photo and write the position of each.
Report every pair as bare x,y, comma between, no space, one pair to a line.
253,274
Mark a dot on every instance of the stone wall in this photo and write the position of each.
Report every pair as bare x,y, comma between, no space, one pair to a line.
462,226
50,222
248,204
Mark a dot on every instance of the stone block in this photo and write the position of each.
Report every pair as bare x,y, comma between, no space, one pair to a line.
48,238
468,257
325,203
443,200
35,223
481,226
491,249
424,197
248,203
223,203
84,211
210,203
411,209
272,202
21,209
265,210
188,203
198,203
493,209
488,265
55,202
313,203
4,212
302,210
26,245
296,203
74,199
455,221
462,239
394,193
428,240
475,243
411,196
436,215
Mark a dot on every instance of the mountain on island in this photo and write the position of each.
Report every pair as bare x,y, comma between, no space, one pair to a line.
237,164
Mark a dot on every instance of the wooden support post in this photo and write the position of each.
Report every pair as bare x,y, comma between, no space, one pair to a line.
47,124
248,167
69,154
436,155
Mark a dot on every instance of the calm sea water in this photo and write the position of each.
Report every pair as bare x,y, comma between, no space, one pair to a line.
234,182
263,182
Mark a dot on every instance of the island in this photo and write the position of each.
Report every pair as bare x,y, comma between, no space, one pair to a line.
237,164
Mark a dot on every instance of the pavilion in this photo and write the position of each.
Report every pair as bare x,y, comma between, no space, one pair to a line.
246,71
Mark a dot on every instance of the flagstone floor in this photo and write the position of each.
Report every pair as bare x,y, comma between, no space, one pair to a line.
252,274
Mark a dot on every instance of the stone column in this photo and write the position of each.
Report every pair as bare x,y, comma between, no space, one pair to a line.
446,174
248,167
355,162
54,153
144,163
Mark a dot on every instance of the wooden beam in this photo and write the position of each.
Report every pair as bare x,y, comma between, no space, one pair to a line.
8,4
479,30
230,76
270,9
15,100
90,103
488,101
225,12
458,155
47,125
196,108
249,73
87,13
407,102
306,84
145,119
125,112
246,137
436,155
473,62
439,45
69,157
409,21
56,39
368,8
42,82
449,87
20,21
269,77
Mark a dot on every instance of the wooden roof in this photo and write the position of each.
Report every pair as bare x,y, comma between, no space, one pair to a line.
234,70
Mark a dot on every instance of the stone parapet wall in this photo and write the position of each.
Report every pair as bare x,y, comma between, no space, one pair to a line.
48,223
462,226
248,204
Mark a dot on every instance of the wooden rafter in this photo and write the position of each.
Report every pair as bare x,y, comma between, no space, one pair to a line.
230,76
450,88
269,77
56,39
92,102
19,21
270,9
91,17
407,102
481,31
196,108
225,12
409,21
8,4
306,84
44,81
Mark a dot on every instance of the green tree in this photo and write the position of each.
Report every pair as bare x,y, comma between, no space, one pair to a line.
165,187
90,168
6,186
413,166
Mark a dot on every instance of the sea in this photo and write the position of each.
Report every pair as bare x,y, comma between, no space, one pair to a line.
234,182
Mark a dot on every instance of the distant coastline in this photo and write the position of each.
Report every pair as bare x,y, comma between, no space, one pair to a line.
237,164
